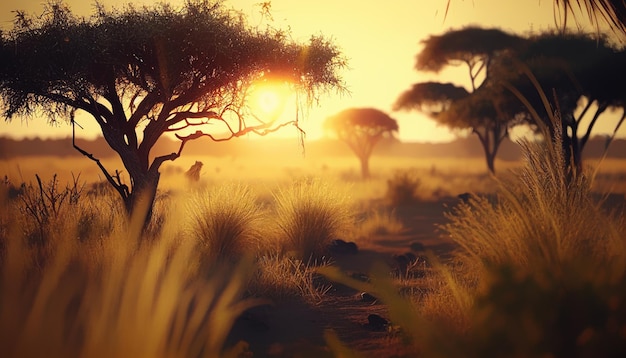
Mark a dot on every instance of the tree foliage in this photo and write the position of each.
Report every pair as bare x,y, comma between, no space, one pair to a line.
143,72
470,45
483,110
574,72
361,129
525,79
432,97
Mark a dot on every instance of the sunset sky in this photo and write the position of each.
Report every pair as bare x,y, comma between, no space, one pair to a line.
379,39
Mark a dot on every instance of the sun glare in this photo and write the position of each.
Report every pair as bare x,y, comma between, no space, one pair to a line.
269,99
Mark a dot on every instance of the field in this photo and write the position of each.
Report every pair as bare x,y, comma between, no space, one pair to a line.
298,256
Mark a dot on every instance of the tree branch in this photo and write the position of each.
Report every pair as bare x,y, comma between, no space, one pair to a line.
599,111
122,189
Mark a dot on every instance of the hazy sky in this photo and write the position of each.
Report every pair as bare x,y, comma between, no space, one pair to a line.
379,38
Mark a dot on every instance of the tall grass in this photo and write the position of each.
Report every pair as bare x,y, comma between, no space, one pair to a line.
551,263
114,296
541,272
309,215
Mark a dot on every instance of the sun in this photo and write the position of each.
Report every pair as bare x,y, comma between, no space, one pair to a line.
269,99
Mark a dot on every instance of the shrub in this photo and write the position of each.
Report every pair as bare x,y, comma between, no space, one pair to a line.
282,278
309,216
402,187
226,221
380,222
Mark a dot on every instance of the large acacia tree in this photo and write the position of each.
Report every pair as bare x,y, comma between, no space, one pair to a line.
578,76
361,129
143,72
482,109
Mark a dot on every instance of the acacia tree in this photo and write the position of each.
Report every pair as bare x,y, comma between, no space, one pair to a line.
482,110
361,129
573,73
142,73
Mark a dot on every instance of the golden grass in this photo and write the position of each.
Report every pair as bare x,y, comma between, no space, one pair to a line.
228,222
309,215
95,288
116,296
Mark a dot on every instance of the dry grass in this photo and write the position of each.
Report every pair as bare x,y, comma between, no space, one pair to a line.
115,296
309,215
227,221
97,287
281,278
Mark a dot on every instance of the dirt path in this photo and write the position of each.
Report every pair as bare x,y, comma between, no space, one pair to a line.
295,328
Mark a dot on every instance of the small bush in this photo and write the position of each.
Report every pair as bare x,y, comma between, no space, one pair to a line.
402,187
380,222
282,278
226,221
309,216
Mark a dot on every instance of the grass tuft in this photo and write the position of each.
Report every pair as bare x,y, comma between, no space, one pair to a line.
227,222
309,215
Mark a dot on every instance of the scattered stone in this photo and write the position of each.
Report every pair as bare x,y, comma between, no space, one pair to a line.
376,322
366,297
360,276
342,247
465,197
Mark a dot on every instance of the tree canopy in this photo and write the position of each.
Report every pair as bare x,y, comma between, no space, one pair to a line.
143,72
525,79
470,45
483,110
361,129
573,72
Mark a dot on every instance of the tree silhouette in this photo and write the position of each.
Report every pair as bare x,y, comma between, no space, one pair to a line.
471,46
483,110
575,73
361,129
142,73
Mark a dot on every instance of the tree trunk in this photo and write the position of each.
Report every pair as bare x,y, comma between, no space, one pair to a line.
140,201
365,167
491,159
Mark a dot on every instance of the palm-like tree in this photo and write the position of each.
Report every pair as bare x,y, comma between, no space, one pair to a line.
611,12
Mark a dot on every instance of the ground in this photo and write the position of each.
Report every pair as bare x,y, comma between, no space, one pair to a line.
296,327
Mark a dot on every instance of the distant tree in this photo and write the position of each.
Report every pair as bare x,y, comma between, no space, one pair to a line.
483,110
142,73
361,129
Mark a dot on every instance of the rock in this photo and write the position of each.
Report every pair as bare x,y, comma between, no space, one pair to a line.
360,276
377,323
342,247
366,297
465,197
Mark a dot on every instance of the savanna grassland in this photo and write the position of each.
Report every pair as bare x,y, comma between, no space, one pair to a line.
297,256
